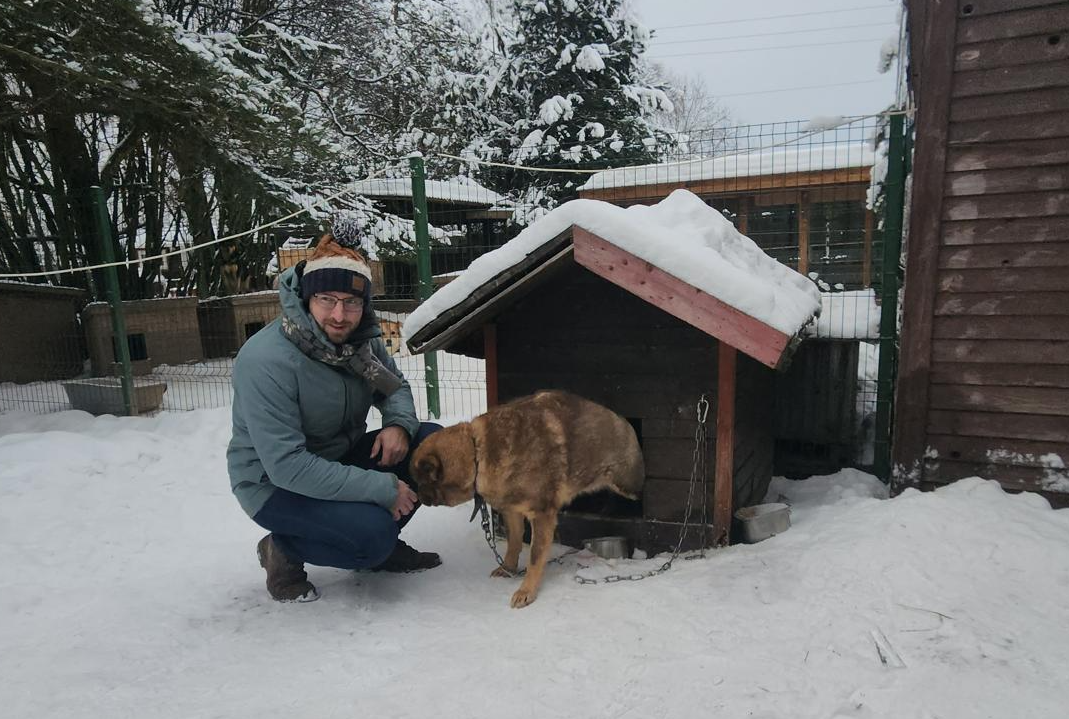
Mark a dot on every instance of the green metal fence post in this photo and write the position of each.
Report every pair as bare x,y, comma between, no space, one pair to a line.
892,249
111,280
423,266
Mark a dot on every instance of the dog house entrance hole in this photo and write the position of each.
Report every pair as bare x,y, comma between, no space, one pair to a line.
135,344
252,328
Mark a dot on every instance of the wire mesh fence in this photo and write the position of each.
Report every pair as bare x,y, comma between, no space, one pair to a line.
804,194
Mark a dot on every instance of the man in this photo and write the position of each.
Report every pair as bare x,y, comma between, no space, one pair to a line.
300,461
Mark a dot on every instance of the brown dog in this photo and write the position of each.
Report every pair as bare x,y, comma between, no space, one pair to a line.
529,458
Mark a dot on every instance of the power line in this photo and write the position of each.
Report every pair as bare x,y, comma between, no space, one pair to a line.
774,17
774,47
802,87
769,34
192,248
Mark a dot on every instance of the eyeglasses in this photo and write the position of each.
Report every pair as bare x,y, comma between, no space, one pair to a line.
349,304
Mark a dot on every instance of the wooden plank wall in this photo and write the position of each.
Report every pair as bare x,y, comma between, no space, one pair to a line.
583,334
997,381
816,406
754,441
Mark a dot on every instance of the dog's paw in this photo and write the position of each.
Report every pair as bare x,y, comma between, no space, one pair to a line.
522,597
505,572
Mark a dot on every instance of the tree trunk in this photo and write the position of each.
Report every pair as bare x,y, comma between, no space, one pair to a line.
198,210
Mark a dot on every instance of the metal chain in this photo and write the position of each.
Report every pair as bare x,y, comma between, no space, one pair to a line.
700,456
491,541
699,467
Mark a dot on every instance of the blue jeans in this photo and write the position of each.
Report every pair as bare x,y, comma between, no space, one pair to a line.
347,535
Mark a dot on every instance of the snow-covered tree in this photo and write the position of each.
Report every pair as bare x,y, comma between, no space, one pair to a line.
568,94
206,119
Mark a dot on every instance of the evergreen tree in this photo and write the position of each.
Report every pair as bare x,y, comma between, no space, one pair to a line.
572,83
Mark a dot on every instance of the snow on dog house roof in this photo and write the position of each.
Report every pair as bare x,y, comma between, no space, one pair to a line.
679,255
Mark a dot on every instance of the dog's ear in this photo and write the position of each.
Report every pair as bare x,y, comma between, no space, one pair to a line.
429,467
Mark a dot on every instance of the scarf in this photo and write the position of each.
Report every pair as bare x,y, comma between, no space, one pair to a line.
356,359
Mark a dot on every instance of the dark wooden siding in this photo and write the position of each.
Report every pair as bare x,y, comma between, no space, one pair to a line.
985,383
582,334
816,413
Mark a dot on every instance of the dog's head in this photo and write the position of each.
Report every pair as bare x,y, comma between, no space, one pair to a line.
443,467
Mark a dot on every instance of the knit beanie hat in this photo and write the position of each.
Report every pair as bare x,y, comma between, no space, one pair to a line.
336,267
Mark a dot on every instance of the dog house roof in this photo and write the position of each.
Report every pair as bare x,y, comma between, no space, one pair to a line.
680,255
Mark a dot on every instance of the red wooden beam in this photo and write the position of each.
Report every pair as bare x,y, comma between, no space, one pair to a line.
671,294
490,353
725,445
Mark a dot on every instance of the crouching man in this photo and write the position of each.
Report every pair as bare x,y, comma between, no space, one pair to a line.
300,460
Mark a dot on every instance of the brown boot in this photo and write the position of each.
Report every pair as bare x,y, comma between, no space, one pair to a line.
286,580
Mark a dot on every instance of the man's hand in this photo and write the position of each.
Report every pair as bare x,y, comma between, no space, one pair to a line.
405,502
390,447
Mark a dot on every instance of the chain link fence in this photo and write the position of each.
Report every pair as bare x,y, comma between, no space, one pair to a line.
809,196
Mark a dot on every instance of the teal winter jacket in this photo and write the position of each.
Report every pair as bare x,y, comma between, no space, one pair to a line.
295,416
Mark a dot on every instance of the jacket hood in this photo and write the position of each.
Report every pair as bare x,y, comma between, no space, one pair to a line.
289,295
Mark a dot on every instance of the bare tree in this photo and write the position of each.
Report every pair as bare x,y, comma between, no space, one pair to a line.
699,120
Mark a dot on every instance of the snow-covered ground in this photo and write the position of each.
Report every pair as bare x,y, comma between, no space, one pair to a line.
130,589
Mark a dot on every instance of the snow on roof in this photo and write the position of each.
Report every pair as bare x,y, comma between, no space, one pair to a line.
29,286
459,189
681,235
773,160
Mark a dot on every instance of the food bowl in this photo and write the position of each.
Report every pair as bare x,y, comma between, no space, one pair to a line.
762,521
608,547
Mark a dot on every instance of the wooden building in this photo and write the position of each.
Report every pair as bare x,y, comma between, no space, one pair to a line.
41,337
983,385
225,323
580,313
163,331
804,203
468,213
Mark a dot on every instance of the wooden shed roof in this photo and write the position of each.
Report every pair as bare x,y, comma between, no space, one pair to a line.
693,305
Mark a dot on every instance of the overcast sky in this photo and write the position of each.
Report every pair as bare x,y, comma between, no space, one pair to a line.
774,79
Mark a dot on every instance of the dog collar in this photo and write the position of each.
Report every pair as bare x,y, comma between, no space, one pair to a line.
480,506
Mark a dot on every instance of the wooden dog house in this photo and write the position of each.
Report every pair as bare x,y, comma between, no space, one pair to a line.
227,322
42,339
583,314
162,331
803,199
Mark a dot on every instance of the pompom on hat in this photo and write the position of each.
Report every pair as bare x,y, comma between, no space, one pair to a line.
335,266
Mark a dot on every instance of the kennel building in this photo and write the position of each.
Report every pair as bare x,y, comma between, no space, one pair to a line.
983,385
42,339
580,313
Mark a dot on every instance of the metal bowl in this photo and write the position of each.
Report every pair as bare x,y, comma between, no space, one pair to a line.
608,547
762,521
